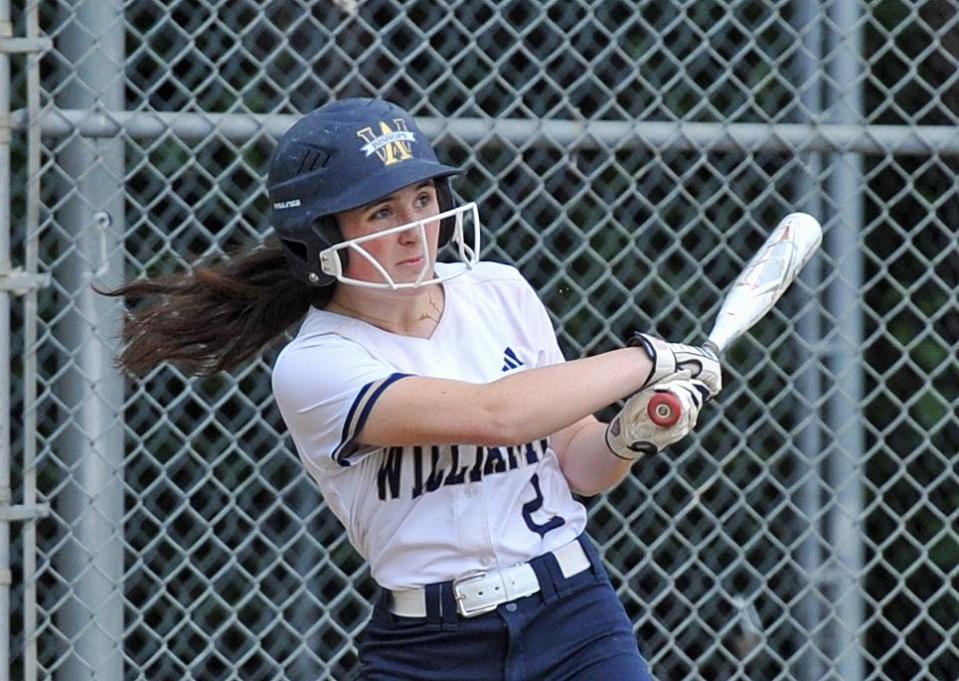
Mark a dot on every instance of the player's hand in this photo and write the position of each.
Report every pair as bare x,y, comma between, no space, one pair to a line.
668,358
632,434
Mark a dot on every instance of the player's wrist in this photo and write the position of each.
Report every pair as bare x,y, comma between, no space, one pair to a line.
668,358
662,359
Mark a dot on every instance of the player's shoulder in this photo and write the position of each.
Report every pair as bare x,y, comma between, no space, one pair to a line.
483,273
494,286
320,361
320,332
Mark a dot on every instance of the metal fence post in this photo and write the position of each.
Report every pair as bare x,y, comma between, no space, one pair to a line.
809,443
845,304
31,260
92,390
5,454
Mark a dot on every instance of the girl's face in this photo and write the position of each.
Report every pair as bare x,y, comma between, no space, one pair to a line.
403,255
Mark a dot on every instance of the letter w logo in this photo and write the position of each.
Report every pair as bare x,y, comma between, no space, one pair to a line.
390,146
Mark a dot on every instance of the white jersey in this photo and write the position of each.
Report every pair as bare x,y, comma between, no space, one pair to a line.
421,515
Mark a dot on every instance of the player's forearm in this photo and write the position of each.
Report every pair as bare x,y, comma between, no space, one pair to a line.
521,407
588,464
531,404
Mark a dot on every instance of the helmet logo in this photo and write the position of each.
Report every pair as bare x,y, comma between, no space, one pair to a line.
390,146
281,205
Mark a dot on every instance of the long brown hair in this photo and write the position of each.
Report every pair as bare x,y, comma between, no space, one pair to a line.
215,316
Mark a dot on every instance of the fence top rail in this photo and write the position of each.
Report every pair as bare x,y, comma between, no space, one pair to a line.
894,140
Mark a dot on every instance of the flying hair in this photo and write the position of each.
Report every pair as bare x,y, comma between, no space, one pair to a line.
216,316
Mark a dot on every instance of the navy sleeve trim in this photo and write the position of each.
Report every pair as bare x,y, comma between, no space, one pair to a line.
357,415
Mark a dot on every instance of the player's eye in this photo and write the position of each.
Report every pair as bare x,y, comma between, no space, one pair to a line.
381,213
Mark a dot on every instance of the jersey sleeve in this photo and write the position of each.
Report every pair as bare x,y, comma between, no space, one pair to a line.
326,388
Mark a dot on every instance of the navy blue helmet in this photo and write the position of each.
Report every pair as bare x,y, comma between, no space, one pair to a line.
342,156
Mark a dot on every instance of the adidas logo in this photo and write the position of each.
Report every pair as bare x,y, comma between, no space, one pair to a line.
510,360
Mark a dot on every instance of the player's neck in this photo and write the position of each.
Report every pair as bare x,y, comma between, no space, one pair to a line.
414,315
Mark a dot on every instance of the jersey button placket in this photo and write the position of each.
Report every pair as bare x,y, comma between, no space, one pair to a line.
490,544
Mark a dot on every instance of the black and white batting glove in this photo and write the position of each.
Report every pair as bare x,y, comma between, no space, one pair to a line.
668,358
631,433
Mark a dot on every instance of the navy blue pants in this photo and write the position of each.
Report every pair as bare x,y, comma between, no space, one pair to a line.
573,629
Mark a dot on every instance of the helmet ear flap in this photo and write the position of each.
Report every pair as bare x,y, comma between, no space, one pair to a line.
303,257
445,201
297,257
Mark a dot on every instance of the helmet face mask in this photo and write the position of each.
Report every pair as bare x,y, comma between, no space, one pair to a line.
464,237
342,156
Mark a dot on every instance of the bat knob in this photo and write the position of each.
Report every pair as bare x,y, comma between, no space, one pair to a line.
664,409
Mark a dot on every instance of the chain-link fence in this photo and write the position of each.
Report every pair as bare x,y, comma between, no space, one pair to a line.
626,157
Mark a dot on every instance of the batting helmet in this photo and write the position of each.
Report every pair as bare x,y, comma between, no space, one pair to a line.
342,156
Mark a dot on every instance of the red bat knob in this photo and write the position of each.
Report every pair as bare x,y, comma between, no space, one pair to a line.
664,409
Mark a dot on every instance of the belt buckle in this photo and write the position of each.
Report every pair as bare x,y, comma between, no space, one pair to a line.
460,598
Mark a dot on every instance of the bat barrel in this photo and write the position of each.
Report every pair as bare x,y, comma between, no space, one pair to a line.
754,292
766,276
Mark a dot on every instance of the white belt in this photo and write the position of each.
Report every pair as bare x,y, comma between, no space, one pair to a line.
482,592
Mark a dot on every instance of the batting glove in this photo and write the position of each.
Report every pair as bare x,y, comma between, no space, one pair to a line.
669,358
631,433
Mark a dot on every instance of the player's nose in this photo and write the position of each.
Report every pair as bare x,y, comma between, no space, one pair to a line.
411,235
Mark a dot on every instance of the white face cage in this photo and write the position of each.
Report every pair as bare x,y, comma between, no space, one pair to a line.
331,264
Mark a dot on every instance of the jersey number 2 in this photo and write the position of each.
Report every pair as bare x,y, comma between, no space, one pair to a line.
530,507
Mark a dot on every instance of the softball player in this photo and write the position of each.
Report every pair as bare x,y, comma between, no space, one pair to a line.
432,405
